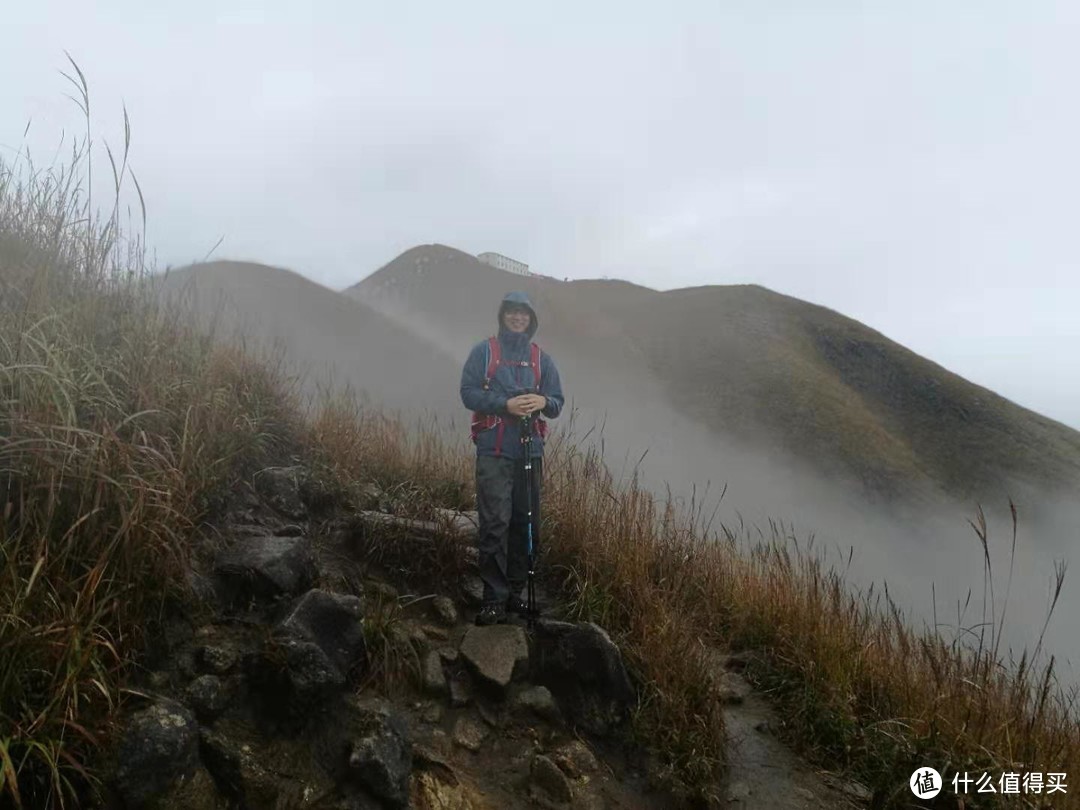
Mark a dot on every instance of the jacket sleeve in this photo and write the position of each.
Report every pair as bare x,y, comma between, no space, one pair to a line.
473,395
550,387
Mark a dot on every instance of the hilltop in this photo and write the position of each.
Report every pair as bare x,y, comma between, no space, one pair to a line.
768,370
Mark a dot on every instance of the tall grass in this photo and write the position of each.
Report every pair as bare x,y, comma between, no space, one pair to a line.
860,687
119,429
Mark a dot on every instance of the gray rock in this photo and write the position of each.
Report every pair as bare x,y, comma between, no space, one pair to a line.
461,524
448,654
265,568
290,681
445,610
332,621
469,733
280,488
585,672
380,752
536,700
433,676
311,671
218,660
207,697
547,776
472,590
159,745
575,759
496,654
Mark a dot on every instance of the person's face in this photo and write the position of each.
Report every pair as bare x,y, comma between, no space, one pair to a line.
517,319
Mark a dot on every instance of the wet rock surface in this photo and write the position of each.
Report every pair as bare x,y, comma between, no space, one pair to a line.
159,746
496,655
264,568
585,672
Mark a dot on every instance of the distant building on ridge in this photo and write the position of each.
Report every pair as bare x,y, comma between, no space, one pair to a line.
505,263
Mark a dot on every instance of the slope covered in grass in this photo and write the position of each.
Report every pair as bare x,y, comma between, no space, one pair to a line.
325,338
783,374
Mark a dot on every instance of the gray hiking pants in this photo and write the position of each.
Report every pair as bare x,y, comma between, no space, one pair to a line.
502,542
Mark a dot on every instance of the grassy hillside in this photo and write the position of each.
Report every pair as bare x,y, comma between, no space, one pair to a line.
829,386
784,374
323,336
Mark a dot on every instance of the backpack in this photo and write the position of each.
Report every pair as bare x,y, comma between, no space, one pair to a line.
486,421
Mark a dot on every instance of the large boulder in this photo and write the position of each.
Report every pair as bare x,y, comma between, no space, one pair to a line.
308,659
265,568
334,622
496,655
159,746
291,682
208,696
585,672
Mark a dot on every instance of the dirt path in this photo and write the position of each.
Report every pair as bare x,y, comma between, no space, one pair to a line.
763,772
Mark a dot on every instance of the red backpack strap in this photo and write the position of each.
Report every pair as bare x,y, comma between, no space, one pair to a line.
534,359
494,357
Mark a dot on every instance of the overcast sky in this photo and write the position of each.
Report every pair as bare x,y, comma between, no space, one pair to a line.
914,165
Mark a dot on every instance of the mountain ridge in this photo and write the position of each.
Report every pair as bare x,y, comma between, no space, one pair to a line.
766,367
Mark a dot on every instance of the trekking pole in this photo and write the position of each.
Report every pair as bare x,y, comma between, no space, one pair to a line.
526,434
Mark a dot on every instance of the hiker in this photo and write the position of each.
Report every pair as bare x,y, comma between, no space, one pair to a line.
505,379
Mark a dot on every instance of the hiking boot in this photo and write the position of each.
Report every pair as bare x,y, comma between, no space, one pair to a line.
517,606
490,614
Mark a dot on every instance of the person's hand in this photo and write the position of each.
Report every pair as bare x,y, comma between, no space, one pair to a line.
519,406
535,402
525,404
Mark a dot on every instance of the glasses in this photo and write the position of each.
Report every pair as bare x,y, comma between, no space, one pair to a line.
516,311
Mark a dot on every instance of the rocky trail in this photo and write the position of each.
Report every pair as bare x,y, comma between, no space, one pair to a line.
320,675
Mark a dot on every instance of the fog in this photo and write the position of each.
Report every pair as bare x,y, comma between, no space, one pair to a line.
912,165
928,555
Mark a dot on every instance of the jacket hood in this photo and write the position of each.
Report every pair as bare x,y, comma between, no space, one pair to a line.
518,299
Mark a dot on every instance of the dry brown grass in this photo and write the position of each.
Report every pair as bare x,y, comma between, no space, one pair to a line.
860,688
120,428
